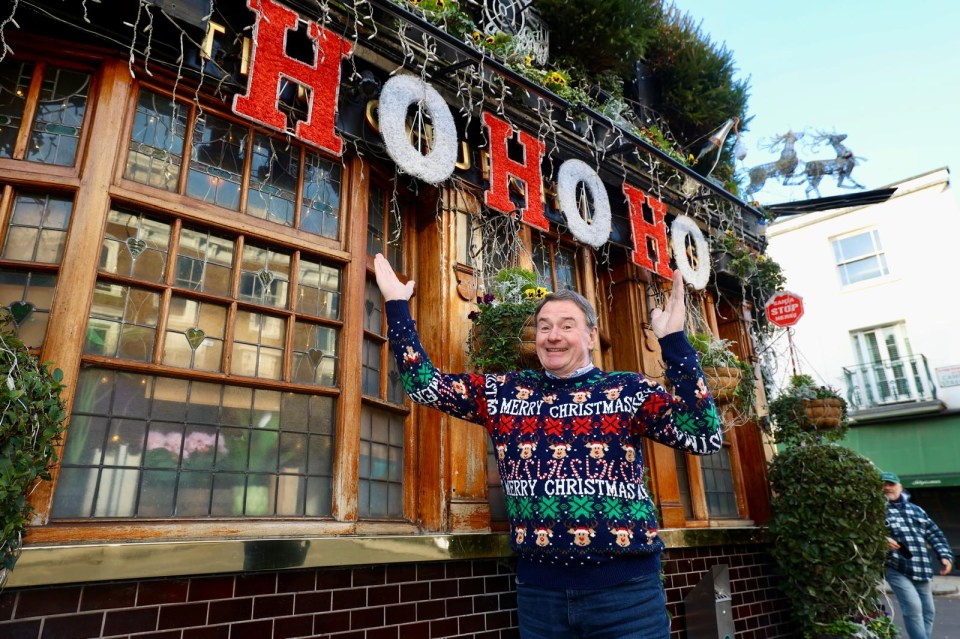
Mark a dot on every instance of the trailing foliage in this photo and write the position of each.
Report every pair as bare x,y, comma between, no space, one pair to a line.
718,353
828,531
31,425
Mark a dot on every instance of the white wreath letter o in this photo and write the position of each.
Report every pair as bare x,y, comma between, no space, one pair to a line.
395,99
682,227
572,173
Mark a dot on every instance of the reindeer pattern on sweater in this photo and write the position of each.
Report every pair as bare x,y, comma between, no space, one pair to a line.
570,451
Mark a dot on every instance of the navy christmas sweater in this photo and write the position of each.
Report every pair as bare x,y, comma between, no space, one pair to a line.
570,454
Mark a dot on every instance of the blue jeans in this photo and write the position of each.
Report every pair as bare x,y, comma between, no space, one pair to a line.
635,609
916,603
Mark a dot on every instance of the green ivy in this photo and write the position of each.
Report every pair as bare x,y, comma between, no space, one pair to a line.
31,426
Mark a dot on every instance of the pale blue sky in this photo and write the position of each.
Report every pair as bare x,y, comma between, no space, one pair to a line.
885,73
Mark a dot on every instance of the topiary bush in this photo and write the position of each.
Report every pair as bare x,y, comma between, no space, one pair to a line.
31,426
828,531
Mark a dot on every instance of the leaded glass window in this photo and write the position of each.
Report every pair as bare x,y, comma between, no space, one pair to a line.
382,435
55,136
156,141
274,170
38,228
158,447
15,79
320,207
264,276
216,162
718,484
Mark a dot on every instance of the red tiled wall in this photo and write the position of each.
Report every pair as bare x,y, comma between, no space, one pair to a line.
465,599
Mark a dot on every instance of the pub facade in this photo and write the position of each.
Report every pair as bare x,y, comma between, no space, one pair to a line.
192,196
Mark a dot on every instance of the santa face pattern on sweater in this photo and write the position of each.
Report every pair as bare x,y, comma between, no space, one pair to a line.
569,451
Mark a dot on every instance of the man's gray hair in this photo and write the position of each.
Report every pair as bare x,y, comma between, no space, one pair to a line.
569,295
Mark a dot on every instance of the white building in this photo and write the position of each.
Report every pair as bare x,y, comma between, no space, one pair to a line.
882,323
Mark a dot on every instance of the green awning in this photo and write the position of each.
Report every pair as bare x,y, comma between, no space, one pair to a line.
930,481
924,452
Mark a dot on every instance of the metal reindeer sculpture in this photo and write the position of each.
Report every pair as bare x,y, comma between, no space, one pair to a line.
841,166
784,167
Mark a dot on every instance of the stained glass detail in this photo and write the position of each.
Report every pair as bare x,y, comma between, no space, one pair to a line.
38,228
141,446
56,127
376,220
274,172
156,142
195,334
264,276
123,321
216,163
318,289
135,245
258,345
320,207
204,262
315,354
29,297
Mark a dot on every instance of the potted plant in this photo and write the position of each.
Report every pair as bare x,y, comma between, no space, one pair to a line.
728,378
33,423
806,407
502,337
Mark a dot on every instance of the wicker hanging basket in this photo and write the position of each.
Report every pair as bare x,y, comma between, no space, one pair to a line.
528,345
823,414
722,381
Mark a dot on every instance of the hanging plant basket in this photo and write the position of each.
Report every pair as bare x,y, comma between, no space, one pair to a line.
527,348
823,414
722,381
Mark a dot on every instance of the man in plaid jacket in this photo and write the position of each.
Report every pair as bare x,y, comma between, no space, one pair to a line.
908,564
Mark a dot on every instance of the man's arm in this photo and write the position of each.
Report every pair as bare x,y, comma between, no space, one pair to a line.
459,395
687,419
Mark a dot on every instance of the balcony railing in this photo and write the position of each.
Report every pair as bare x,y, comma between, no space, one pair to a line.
895,381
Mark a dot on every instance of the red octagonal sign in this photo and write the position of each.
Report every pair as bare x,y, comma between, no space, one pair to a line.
784,308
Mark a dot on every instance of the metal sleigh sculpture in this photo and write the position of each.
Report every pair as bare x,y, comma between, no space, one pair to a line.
813,171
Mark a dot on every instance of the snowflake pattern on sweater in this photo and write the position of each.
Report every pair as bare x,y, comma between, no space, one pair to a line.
569,451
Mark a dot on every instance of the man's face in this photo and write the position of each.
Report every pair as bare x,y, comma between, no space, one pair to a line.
563,340
892,490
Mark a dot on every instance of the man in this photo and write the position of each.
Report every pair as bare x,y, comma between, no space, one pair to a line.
569,450
908,565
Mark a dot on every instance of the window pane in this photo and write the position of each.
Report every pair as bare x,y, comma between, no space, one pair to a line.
320,210
376,221
542,265
861,270
318,289
315,354
14,85
195,334
373,309
855,246
264,276
718,484
134,450
28,296
273,180
381,464
216,161
566,275
38,228
122,322
684,483
57,124
135,245
204,262
258,345
156,142
371,367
